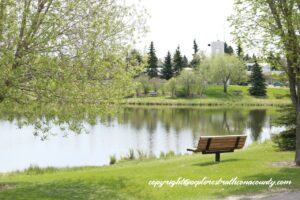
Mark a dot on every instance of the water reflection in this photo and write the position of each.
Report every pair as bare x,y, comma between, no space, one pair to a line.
153,130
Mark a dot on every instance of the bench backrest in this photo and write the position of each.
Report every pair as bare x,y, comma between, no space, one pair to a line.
221,143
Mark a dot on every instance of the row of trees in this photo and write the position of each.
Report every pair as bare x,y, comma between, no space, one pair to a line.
173,65
219,69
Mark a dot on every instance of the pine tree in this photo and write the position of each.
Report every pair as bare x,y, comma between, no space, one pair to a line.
152,62
167,71
185,61
195,47
178,61
239,51
228,49
258,84
246,57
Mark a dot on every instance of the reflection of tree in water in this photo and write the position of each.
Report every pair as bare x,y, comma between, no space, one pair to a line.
199,121
256,122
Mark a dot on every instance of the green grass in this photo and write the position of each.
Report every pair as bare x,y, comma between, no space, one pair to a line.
214,95
129,180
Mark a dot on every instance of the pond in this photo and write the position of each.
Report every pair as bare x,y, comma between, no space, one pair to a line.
152,130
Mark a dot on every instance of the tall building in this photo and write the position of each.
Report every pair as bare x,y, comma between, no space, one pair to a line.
217,47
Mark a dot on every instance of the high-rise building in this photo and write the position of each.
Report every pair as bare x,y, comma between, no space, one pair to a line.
217,47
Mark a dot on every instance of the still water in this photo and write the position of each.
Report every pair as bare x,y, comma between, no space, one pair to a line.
152,130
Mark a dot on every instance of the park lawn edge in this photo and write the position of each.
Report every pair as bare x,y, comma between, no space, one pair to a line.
129,179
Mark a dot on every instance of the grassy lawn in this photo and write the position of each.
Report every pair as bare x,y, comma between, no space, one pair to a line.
214,95
129,179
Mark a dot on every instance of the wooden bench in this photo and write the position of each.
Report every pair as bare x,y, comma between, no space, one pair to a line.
219,144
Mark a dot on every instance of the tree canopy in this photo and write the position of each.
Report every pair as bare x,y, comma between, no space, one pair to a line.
65,51
225,68
272,26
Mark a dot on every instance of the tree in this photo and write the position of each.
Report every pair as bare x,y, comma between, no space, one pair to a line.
239,51
187,80
195,47
225,68
143,83
172,85
156,84
185,61
167,71
53,51
246,57
177,61
257,80
228,49
134,61
286,140
278,25
152,62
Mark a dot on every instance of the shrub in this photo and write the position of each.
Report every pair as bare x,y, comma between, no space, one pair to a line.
141,154
113,160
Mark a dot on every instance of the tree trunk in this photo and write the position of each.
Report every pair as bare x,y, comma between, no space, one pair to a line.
297,157
225,88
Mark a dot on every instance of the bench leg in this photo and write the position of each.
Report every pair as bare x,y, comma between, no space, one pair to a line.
218,157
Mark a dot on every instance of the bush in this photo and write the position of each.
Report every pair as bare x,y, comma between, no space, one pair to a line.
113,160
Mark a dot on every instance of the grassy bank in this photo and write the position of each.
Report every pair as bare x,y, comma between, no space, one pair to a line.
214,96
129,180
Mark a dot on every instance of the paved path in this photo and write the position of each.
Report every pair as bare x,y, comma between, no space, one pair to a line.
284,196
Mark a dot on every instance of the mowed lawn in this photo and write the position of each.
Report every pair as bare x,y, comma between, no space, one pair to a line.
129,179
214,95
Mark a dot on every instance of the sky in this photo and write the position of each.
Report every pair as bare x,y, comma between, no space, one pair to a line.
179,22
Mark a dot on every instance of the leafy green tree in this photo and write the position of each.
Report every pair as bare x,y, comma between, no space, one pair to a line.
172,85
143,82
54,51
177,61
196,60
134,61
187,81
156,84
225,68
277,23
195,47
152,62
257,80
167,70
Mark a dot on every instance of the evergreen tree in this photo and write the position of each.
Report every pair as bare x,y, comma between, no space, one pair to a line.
246,57
152,62
254,57
195,61
195,47
228,49
178,61
257,80
185,61
239,51
167,71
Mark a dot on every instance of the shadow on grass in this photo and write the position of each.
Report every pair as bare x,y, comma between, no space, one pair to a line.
68,189
215,163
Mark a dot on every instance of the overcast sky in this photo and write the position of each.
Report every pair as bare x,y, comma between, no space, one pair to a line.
179,22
